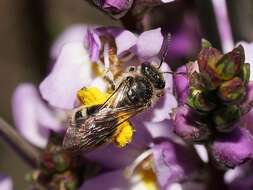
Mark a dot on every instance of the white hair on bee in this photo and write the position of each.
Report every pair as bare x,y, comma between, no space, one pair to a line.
106,56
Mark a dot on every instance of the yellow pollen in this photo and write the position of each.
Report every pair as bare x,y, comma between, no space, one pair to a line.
123,135
92,96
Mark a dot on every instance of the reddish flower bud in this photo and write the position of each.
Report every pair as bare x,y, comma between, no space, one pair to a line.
232,90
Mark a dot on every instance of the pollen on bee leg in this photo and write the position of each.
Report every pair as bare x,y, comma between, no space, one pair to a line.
123,135
92,96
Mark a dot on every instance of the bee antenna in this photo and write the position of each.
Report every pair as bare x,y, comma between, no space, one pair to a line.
165,51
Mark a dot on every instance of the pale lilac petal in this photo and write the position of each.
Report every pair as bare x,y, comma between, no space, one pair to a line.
32,118
113,157
241,177
93,44
116,8
116,4
124,41
234,148
202,152
173,163
162,129
231,174
114,180
74,33
181,84
186,126
149,43
168,77
71,72
163,108
5,183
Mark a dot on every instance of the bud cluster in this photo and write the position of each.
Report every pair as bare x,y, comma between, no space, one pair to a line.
218,86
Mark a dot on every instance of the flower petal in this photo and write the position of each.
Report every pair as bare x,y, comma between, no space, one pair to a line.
181,84
173,163
186,126
107,181
116,8
71,72
32,118
124,41
74,33
94,44
149,43
234,148
240,177
5,183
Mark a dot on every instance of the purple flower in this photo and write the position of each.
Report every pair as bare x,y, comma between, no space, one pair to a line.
173,164
74,69
240,178
33,118
5,183
145,46
230,144
115,8
119,8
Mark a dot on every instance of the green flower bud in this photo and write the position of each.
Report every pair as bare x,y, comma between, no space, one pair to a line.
230,64
232,90
197,101
245,73
225,117
205,43
61,162
207,59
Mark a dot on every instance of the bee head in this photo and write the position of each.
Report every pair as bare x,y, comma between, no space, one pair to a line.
153,75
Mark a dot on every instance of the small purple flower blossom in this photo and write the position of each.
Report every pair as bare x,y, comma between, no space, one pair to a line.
119,8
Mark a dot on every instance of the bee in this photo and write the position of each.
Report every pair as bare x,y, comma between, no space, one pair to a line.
137,90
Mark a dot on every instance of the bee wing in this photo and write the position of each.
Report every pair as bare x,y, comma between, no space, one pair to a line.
117,96
98,129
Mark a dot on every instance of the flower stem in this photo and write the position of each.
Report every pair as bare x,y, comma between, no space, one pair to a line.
29,153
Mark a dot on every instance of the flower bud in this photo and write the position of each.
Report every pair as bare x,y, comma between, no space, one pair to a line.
230,64
207,59
232,90
225,118
197,101
245,73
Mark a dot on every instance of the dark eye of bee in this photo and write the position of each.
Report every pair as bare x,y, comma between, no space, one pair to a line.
153,75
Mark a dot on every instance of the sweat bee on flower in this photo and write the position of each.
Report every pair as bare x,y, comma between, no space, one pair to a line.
105,117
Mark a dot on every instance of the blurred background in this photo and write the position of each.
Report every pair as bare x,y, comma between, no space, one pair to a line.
28,29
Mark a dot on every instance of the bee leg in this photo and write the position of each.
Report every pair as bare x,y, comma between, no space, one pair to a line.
108,78
110,54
